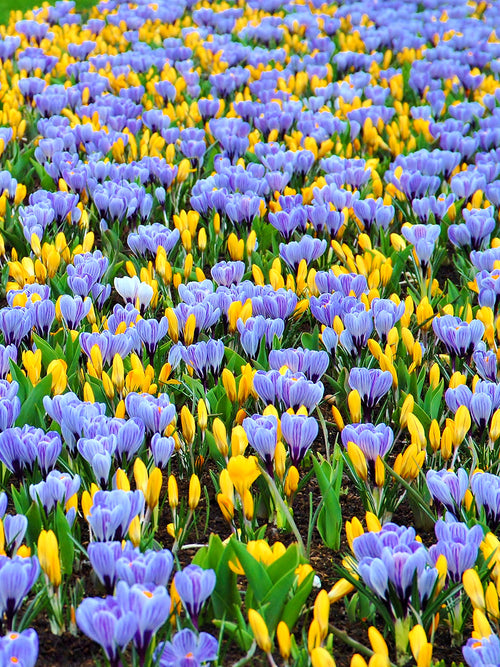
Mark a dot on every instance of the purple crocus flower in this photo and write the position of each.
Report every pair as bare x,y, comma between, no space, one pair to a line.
483,652
156,413
358,329
204,357
151,607
58,487
108,624
262,434
448,488
103,557
187,649
17,577
459,544
148,568
15,526
74,309
385,315
486,364
459,338
112,512
194,586
162,449
151,332
20,648
486,490
374,441
371,384
476,232
313,363
423,238
307,248
299,432
228,273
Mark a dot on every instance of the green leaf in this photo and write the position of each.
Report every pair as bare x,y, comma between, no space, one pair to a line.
259,582
32,411
293,607
24,383
288,562
310,341
34,524
66,546
48,352
329,523
275,599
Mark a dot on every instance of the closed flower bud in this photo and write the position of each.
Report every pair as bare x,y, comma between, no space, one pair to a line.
322,612
474,588
121,480
229,385
495,426
291,481
220,436
194,492
248,505
314,636
447,443
340,589
379,472
280,460
48,555
337,418
239,441
140,475
173,492
434,435
406,409
153,488
358,460
202,415
134,531
118,373
354,403
462,425
434,375
173,324
260,631
321,658
284,640
188,425
226,507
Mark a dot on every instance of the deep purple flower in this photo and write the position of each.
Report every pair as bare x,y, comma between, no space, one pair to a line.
299,432
194,586
17,577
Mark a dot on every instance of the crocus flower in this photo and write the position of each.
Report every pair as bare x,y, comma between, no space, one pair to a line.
372,385
299,432
448,488
108,624
423,238
262,433
486,490
112,512
482,652
17,577
19,648
459,544
156,413
187,649
194,586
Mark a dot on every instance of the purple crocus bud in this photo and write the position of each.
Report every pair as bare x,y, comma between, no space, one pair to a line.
49,446
108,624
103,557
228,273
151,332
74,309
45,313
17,577
307,248
294,390
194,586
4,501
459,544
151,606
7,352
16,453
148,568
385,315
156,413
486,364
262,434
130,437
112,512
201,648
423,238
299,432
204,357
486,490
372,384
358,329
19,647
162,449
15,526
448,488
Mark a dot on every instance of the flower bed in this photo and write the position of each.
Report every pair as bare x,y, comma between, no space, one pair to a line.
249,376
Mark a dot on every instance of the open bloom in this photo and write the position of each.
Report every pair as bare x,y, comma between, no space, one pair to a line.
194,586
187,649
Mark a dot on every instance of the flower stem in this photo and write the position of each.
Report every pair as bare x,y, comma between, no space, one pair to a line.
286,512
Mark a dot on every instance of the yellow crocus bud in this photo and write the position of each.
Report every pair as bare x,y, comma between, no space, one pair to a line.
358,460
96,359
140,475
188,425
57,368
260,631
229,385
434,436
88,394
406,409
118,373
189,329
416,431
340,589
495,426
284,640
173,492
379,472
107,385
248,505
354,403
202,415
322,612
121,480
457,379
173,324
424,314
447,442
337,417
491,599
462,425
48,555
153,488
194,492
280,460
314,635
220,436
291,481
372,522
434,375
202,239
474,588
377,641
239,441
420,647
226,507
134,531
321,658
